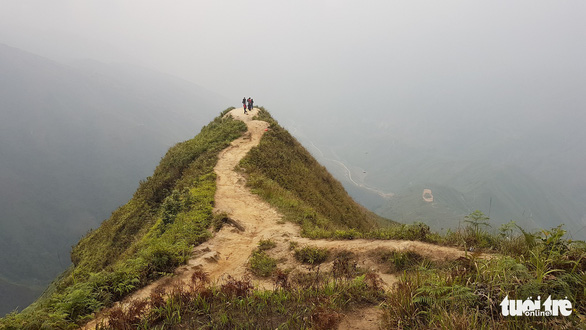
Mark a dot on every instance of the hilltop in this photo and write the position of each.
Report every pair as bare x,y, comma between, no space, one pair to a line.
240,226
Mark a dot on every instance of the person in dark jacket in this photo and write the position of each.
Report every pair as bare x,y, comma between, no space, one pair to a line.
244,103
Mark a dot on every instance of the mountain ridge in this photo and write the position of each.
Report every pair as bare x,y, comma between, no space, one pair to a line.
139,232
227,253
343,262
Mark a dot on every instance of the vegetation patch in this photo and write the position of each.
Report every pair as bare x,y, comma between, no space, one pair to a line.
236,304
312,255
305,193
266,244
467,292
399,261
147,238
345,266
261,264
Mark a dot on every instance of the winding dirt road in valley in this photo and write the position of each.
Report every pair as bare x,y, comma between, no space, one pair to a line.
228,251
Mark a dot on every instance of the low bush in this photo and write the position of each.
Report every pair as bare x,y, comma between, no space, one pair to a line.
312,255
266,244
260,264
467,292
236,304
399,261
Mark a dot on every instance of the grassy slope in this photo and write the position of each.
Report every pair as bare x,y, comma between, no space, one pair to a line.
460,294
281,171
464,293
149,236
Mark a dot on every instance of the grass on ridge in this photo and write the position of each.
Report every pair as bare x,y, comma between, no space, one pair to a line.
316,301
281,171
147,238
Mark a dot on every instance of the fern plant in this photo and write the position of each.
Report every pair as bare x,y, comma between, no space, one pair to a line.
477,219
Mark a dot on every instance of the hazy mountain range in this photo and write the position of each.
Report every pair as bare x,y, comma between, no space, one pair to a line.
512,148
75,140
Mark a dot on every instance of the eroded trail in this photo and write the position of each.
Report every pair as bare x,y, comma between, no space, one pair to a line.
227,253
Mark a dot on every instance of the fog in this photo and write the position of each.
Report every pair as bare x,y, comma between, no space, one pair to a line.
460,78
313,53
481,101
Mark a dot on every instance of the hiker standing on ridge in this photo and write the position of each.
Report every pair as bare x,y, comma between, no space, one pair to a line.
244,103
249,104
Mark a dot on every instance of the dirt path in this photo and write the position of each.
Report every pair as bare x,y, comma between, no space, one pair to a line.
362,319
228,251
259,219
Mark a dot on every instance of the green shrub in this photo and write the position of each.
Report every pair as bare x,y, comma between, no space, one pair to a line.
400,260
77,301
266,244
347,234
261,264
312,255
223,113
172,205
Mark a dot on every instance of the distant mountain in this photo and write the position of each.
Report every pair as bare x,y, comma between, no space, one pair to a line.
518,143
75,139
19,296
523,189
449,206
504,194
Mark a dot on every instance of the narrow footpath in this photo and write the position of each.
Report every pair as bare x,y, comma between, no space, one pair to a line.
228,251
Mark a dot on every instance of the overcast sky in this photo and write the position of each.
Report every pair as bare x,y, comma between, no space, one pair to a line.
435,77
318,50
417,71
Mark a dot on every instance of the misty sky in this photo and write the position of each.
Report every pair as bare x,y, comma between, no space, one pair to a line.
435,73
316,52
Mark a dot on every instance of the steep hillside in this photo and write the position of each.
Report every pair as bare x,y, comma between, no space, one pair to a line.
244,221
149,236
305,192
74,142
170,213
254,269
258,272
